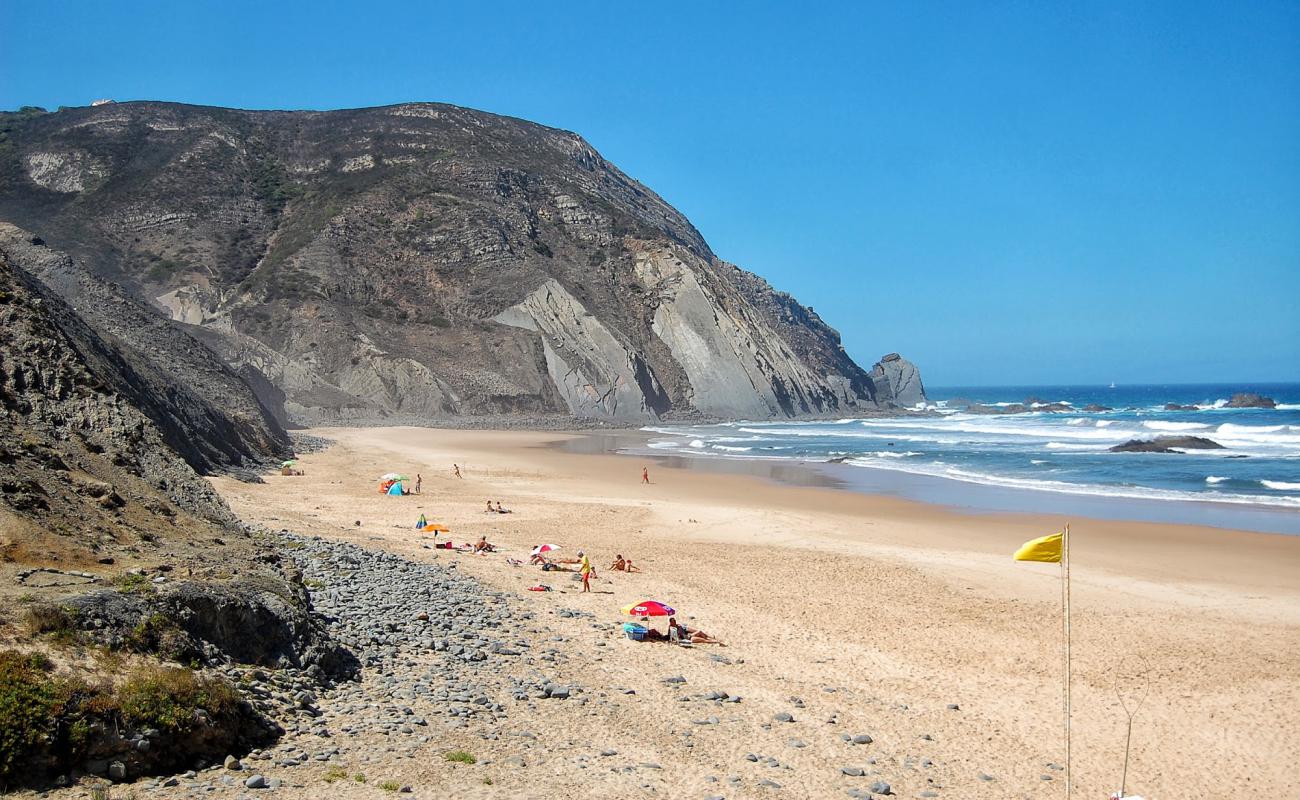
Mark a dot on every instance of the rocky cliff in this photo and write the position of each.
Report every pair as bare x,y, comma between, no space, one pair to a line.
423,260
204,411
81,467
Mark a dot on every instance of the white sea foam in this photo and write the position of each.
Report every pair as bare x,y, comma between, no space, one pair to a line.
1215,479
732,449
1228,427
1105,423
1074,446
1037,461
894,453
1281,485
1288,407
697,443
1162,425
662,445
1129,492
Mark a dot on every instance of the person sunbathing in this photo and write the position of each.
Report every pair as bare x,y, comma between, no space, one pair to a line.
681,633
501,510
490,509
537,558
484,546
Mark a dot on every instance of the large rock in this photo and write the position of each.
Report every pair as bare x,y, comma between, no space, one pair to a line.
1166,444
898,380
1251,400
423,260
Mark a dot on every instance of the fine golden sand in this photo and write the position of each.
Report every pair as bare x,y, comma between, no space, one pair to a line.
875,612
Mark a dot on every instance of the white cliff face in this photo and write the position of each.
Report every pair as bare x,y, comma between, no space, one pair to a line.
737,365
68,172
596,373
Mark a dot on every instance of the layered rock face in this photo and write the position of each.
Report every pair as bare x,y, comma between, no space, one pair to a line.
78,459
423,261
205,412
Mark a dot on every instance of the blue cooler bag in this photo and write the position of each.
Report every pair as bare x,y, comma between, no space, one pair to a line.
634,631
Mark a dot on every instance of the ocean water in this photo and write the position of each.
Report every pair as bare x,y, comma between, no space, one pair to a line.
1063,453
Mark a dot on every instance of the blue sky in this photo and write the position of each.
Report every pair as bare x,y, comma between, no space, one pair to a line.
1004,192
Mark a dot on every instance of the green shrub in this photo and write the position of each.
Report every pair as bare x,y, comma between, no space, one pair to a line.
132,583
166,698
390,786
29,704
460,757
335,773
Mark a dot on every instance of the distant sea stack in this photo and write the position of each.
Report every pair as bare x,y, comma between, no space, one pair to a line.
421,261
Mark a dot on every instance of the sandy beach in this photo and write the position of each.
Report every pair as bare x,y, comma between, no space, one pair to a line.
854,614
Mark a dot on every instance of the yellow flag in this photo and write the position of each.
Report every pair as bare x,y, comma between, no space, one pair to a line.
1044,548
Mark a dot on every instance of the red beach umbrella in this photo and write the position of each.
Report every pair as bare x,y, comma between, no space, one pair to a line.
545,548
649,608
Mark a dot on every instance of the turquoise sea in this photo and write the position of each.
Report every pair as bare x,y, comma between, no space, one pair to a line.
1048,460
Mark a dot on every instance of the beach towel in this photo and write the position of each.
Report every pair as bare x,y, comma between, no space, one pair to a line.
541,587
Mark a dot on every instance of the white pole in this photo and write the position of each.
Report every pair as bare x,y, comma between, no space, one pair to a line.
1066,570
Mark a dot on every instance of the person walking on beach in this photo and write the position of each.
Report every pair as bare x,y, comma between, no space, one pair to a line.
645,475
455,469
419,479
584,567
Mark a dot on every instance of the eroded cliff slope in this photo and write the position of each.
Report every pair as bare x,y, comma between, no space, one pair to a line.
422,260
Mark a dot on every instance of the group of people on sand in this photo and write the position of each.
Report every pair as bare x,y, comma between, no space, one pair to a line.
497,510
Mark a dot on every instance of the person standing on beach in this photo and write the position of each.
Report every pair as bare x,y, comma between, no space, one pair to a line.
455,468
645,474
584,567
419,479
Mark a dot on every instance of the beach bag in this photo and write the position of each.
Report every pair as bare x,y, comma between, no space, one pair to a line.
634,631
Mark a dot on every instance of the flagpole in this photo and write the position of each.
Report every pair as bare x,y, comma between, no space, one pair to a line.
1065,569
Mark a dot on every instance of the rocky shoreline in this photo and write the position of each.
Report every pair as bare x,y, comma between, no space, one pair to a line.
432,651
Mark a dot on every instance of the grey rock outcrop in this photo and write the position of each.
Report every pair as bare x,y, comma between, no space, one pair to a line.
1251,400
899,380
205,412
424,260
79,453
1166,444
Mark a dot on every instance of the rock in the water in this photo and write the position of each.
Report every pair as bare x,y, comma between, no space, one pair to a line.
1251,400
1166,444
898,381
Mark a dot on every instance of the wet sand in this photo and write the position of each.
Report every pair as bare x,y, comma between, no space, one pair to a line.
876,612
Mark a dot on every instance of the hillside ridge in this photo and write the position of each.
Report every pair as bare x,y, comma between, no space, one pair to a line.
423,261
